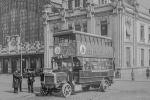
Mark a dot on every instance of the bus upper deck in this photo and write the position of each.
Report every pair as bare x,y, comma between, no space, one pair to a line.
75,43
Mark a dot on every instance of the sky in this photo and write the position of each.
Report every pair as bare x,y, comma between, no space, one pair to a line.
145,3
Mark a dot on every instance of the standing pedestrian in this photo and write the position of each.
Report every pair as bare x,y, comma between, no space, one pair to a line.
147,73
15,81
132,75
20,81
30,81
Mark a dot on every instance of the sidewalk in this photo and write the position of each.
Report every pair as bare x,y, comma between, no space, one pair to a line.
137,80
6,90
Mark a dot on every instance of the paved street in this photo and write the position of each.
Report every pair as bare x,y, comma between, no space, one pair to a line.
120,90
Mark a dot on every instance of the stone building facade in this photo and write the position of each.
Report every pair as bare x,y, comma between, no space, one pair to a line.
21,34
125,21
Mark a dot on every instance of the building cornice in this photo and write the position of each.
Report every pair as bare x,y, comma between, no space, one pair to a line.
98,11
139,15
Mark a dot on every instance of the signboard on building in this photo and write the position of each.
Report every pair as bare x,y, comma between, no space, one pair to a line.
13,43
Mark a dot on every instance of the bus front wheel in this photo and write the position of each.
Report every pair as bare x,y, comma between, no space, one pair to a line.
66,90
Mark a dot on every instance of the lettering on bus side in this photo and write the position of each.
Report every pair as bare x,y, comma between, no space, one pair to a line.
82,49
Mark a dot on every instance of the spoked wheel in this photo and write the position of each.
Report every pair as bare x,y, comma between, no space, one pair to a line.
43,92
66,90
102,86
107,83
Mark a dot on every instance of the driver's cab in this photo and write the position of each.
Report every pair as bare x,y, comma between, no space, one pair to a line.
70,65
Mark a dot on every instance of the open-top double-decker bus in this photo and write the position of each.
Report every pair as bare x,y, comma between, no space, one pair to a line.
80,61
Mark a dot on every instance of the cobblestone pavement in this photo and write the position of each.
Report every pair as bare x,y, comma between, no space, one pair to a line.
120,90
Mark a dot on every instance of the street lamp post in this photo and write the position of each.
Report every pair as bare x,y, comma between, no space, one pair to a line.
20,55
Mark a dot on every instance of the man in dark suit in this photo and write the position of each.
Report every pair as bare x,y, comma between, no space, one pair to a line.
15,81
30,81
20,81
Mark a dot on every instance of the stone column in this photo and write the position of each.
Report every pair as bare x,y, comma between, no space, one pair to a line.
117,36
135,41
9,66
48,39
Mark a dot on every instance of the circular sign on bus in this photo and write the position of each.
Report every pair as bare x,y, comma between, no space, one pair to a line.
82,49
57,50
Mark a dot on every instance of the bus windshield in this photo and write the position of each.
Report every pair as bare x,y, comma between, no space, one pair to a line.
64,39
62,64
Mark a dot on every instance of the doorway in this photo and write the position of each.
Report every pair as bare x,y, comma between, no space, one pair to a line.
5,65
14,64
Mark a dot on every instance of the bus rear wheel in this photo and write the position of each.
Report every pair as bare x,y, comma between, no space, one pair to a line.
43,92
107,83
66,90
102,86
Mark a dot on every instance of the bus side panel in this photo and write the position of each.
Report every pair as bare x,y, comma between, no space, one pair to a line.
79,52
90,77
89,50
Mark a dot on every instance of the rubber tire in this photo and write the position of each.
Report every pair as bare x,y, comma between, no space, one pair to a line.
66,90
43,92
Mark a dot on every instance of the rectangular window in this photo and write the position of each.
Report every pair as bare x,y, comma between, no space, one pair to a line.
70,26
78,27
142,57
70,4
104,28
85,27
149,34
142,33
77,3
128,56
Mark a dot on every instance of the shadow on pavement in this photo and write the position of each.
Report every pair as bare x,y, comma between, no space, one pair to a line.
10,91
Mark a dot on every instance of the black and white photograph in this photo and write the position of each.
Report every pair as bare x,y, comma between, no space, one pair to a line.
74,49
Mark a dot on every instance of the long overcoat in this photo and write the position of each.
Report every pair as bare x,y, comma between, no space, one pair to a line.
15,80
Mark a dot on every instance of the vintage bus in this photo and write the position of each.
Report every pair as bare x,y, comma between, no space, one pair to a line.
80,61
